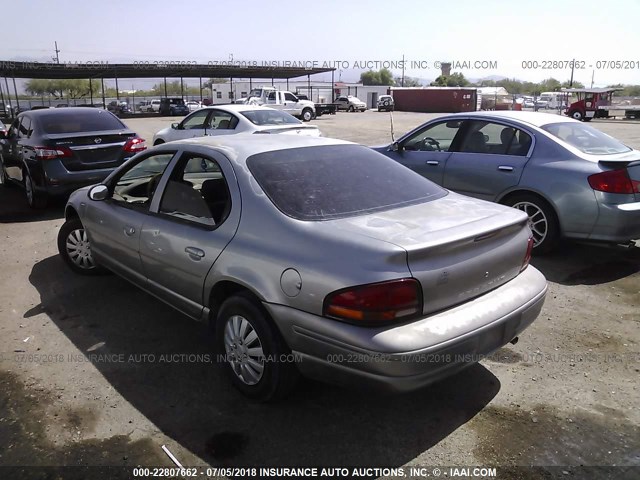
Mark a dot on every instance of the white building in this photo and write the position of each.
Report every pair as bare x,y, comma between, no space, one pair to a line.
318,92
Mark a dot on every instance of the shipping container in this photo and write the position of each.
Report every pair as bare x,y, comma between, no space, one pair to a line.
434,99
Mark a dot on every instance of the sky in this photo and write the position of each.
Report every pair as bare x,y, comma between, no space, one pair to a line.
524,39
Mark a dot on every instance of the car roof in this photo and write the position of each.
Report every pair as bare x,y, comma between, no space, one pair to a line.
239,147
537,119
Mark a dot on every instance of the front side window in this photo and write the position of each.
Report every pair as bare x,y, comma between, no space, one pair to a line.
337,181
438,137
196,192
289,97
585,138
137,184
495,138
195,120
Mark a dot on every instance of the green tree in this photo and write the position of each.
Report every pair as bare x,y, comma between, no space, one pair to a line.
408,82
454,80
380,77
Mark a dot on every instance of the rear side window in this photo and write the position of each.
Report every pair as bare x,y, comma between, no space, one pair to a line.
337,181
87,120
270,117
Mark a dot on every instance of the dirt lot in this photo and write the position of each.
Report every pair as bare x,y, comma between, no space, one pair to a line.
95,372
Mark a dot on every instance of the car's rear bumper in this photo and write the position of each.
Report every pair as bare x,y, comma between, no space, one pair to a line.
58,181
410,356
618,223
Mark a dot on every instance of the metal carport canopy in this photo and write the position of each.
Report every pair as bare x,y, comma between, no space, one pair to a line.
67,71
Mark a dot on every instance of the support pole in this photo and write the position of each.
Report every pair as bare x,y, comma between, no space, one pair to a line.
165,86
181,89
15,89
201,90
104,102
117,90
91,90
233,96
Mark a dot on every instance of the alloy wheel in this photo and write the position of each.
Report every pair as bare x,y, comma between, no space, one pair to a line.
538,221
79,249
244,350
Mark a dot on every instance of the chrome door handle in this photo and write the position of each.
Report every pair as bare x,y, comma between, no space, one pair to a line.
505,168
433,162
194,252
128,231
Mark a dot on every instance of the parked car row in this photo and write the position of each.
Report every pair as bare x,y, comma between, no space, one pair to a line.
288,257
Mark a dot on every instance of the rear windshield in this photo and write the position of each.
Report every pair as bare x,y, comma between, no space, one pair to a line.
337,181
88,120
585,138
270,117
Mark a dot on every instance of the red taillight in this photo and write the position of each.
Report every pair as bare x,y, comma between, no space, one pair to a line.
527,256
376,303
614,181
135,145
49,153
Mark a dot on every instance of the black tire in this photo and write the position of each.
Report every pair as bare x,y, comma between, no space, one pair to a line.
68,233
351,109
529,203
576,115
34,198
586,119
158,142
277,377
307,115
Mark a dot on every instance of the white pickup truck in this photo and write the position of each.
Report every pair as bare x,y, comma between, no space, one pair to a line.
282,100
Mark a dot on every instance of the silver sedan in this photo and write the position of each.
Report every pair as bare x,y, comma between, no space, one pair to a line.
572,180
303,261
234,119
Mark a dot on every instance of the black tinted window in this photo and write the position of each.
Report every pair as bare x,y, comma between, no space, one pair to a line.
270,117
335,181
83,120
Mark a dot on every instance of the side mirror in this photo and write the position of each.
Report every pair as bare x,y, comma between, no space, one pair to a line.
175,126
99,193
395,147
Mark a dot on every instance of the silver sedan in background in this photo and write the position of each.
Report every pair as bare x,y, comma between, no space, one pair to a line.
302,260
234,119
572,180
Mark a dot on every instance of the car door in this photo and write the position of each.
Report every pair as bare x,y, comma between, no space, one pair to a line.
291,104
114,225
12,153
195,125
427,149
197,214
490,159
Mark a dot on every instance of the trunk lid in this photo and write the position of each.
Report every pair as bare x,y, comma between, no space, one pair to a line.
93,150
457,247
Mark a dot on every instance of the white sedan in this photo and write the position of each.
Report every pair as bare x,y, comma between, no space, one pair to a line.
193,105
234,119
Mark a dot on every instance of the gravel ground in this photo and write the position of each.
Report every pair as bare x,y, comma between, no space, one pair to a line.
94,371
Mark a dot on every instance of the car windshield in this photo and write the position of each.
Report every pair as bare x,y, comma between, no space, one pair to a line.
585,138
337,181
87,120
270,117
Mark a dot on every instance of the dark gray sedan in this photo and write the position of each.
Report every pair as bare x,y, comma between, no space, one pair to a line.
303,261
572,180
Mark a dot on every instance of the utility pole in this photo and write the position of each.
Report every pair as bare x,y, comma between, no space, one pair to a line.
402,80
573,64
56,58
592,75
